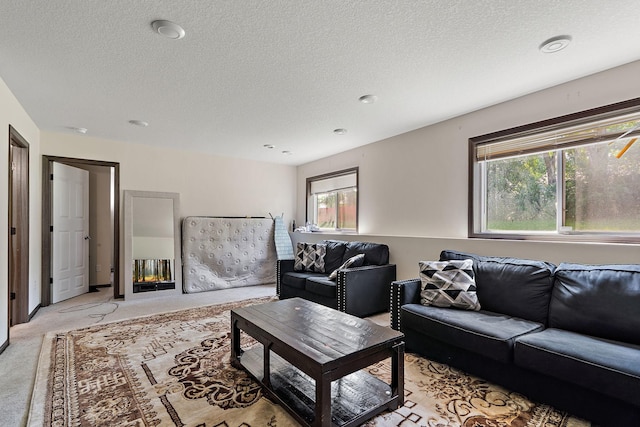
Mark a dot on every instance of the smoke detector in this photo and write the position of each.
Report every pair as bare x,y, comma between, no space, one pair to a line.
168,29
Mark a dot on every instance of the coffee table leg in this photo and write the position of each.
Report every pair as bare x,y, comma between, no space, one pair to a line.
397,373
323,402
266,360
235,341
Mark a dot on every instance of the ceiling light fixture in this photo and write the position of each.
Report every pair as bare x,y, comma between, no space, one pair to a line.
339,131
168,29
269,146
368,99
140,123
555,44
287,153
78,130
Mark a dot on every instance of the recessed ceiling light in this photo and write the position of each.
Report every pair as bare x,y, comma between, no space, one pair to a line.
368,99
287,153
555,44
168,29
269,146
140,123
78,130
340,131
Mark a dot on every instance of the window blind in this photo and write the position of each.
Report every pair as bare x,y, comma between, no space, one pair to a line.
334,183
597,130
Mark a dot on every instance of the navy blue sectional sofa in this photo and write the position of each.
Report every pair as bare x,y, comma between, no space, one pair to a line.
566,335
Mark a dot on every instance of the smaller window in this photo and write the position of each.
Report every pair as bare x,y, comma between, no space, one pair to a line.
332,201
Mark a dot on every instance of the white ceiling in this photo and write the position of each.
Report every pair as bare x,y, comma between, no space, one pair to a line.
287,73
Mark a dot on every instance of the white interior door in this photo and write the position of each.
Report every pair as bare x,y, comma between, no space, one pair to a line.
70,232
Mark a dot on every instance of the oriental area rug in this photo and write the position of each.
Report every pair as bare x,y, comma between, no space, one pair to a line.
173,369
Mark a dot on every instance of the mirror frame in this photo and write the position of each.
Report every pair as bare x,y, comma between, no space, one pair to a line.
129,196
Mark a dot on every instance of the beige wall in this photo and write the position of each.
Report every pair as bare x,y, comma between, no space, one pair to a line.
12,113
208,185
413,187
405,252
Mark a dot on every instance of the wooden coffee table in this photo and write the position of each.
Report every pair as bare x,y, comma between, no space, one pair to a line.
312,361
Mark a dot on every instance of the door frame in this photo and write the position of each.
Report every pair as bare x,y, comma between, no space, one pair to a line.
47,171
21,288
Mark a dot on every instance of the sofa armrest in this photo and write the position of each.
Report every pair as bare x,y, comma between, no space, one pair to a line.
282,266
363,291
403,292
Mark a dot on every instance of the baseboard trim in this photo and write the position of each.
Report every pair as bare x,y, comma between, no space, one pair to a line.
4,346
33,313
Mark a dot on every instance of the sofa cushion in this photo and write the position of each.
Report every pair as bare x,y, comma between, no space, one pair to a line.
321,285
486,333
310,257
335,253
448,284
374,253
354,261
513,286
606,366
598,300
298,279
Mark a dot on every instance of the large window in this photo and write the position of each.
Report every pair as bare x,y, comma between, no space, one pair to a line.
574,177
333,201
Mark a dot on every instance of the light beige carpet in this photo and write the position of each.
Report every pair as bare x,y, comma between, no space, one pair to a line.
173,369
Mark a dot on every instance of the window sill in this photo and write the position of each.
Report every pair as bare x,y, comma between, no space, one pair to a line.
561,237
326,232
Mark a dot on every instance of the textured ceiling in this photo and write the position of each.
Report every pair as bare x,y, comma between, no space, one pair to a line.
250,73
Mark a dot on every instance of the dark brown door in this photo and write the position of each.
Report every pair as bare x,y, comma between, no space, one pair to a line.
19,229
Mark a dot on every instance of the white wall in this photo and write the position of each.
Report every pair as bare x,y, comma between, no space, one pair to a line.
12,113
413,187
208,185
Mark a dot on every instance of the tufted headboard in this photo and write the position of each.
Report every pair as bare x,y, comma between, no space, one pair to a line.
220,253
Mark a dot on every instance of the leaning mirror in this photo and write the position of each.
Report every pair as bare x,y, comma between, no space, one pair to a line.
151,244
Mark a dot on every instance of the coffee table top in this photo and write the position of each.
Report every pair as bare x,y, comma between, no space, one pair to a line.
317,333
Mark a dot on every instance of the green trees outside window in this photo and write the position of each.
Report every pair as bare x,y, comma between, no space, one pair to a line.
576,175
599,192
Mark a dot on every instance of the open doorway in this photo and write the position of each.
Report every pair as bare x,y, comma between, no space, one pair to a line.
19,228
104,228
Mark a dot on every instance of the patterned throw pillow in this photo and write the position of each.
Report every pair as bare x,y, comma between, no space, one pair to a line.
354,261
310,257
448,284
